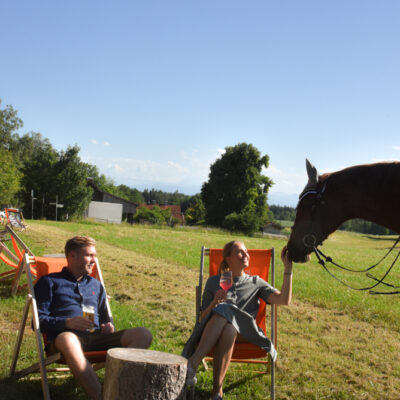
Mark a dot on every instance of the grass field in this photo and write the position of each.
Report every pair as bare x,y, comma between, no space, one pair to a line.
333,342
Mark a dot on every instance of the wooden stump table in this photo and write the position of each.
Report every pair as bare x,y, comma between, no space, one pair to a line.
144,374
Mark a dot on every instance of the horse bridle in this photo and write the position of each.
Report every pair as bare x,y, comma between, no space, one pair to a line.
318,202
323,259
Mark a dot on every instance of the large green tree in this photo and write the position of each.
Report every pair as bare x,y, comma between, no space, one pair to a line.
9,178
36,159
71,183
9,124
235,196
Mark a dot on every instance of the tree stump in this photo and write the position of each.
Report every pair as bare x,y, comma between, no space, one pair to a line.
144,374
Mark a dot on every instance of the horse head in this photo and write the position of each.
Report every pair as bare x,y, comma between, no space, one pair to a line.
309,229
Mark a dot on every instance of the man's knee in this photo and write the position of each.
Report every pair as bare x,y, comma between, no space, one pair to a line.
67,342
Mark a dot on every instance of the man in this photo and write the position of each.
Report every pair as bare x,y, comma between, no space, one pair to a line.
60,297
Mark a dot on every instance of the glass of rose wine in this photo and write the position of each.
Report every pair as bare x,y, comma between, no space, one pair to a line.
226,281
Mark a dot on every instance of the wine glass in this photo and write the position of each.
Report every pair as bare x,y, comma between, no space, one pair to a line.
226,280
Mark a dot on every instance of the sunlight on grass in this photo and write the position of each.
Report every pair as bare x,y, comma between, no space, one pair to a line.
330,340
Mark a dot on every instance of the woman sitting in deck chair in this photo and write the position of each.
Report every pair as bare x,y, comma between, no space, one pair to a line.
230,316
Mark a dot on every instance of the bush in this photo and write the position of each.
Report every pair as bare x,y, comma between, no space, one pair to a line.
153,216
246,221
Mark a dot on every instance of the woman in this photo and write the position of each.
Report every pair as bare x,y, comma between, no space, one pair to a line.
224,322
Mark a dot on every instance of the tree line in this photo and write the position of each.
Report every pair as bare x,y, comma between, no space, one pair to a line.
34,175
354,225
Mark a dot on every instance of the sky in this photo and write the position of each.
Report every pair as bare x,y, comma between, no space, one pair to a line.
154,91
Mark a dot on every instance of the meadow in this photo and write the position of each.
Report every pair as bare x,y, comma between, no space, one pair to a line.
333,342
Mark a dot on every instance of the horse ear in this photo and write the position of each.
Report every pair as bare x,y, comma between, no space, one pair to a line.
312,174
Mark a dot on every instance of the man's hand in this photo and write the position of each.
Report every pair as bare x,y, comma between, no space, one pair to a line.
107,328
79,324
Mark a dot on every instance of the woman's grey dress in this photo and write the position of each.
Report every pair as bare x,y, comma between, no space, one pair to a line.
240,310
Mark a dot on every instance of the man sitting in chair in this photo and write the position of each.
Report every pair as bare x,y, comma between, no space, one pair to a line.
60,298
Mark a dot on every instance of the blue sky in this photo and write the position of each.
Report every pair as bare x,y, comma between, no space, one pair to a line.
153,91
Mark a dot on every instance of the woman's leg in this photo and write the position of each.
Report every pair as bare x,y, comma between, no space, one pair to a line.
222,356
209,338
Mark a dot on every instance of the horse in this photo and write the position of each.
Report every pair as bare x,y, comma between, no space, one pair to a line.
369,191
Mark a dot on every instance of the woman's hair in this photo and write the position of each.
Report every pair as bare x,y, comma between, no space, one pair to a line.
226,253
77,243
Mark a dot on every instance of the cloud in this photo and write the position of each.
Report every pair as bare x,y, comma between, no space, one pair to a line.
105,143
93,141
187,172
396,147
190,169
286,180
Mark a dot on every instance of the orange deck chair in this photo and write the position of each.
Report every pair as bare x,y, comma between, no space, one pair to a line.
15,218
12,256
44,266
261,263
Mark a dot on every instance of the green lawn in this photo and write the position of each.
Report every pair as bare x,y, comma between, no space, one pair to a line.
333,342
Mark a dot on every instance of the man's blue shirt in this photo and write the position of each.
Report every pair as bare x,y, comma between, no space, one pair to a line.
60,296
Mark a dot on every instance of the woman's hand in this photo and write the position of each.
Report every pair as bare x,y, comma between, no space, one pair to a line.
284,296
220,296
287,263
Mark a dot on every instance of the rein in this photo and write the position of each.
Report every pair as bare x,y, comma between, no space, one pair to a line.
323,262
310,241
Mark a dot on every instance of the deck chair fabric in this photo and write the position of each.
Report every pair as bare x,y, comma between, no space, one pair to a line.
43,266
12,256
262,263
15,218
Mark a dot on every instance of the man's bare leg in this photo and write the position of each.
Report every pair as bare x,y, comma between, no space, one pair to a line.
139,338
70,347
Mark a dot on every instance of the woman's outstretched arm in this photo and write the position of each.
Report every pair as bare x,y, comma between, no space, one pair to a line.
284,296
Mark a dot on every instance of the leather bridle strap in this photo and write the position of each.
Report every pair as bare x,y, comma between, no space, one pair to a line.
378,281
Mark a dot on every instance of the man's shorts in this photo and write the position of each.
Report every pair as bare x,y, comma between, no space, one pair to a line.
93,341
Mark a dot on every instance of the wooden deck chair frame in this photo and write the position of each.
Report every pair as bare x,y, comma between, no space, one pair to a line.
270,253
45,265
13,259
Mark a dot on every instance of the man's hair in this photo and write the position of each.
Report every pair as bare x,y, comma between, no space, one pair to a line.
77,243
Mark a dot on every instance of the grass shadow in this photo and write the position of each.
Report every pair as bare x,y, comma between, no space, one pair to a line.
31,388
250,377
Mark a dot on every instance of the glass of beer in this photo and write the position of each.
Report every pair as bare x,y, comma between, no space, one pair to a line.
88,313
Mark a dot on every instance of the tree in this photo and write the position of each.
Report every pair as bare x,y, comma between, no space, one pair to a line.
283,213
236,192
154,196
9,178
71,183
9,124
128,193
154,215
37,158
195,214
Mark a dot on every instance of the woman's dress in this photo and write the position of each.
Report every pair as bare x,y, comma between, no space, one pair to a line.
240,310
